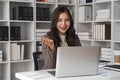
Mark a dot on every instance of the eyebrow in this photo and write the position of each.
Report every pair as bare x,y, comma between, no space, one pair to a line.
65,18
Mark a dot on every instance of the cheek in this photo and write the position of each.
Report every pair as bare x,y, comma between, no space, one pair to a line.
68,25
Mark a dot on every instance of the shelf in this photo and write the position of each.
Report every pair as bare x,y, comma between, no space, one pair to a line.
43,21
116,41
86,39
23,61
22,1
85,22
4,42
4,62
45,3
21,21
102,21
3,21
66,4
109,1
102,40
21,41
117,21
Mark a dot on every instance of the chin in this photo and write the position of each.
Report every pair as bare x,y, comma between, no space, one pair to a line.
62,32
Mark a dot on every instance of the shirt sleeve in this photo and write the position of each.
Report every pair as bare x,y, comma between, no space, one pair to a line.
48,57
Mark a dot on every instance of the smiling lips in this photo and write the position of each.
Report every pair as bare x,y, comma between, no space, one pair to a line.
63,28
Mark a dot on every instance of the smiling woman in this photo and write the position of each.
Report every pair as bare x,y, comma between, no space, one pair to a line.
62,34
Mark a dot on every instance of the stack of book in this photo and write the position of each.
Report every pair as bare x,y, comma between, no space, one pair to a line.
103,14
42,14
1,55
106,54
22,13
17,51
85,35
4,33
101,31
85,13
15,33
84,1
40,33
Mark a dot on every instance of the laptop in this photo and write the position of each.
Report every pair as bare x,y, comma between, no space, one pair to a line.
77,61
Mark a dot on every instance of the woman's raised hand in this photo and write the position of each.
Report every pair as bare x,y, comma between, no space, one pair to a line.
48,42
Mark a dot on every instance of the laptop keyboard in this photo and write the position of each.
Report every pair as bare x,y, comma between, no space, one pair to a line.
51,72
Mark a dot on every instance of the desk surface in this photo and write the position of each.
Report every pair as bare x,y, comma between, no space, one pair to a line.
44,75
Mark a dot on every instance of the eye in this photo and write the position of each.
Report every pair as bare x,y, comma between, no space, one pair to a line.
67,19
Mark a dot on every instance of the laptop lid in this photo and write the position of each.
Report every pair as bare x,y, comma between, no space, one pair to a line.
77,61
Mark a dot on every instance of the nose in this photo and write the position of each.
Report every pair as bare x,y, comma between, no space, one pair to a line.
63,22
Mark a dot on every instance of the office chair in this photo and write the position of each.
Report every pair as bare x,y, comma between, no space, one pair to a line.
38,61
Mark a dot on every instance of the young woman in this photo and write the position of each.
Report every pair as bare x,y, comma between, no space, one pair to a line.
62,33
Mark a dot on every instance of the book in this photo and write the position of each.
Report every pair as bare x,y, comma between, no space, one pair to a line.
102,31
85,13
88,1
22,48
30,13
43,0
1,55
12,33
15,33
40,13
25,13
106,31
17,13
1,33
115,67
46,14
4,33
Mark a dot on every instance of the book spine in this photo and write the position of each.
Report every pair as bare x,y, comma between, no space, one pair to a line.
47,14
17,33
30,12
25,13
20,12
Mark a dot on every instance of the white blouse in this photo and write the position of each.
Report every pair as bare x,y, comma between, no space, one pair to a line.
63,43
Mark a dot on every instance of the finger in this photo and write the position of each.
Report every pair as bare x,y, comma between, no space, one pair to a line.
43,40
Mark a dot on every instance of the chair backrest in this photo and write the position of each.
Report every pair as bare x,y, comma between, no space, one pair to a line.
38,62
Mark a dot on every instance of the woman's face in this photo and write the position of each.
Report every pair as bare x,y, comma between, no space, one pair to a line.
63,23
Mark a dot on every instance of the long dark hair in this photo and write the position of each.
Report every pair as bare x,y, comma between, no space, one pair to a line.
54,33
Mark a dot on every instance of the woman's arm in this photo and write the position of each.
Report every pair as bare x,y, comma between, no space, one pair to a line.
48,57
48,52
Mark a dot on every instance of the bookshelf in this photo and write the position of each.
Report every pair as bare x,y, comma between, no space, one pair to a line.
104,12
19,45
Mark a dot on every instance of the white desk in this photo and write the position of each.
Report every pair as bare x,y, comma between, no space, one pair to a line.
44,75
